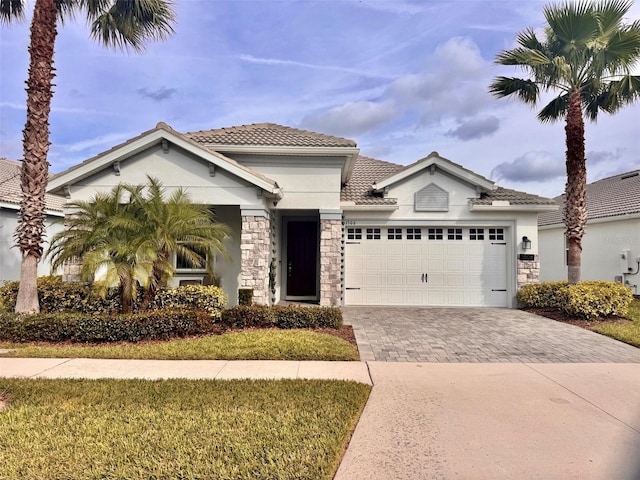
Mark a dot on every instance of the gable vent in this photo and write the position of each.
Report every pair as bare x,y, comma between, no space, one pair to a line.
431,198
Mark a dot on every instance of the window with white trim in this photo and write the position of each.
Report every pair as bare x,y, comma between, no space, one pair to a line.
496,234
454,234
414,233
354,234
394,233
435,234
373,234
476,234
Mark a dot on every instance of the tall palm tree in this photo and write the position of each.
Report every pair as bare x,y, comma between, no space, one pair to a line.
117,23
131,235
585,55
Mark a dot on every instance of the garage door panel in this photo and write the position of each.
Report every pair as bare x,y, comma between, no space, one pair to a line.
458,271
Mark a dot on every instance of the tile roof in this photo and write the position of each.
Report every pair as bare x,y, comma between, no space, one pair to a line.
268,134
514,197
368,171
610,197
10,191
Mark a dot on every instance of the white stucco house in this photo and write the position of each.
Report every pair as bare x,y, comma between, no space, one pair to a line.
331,226
10,195
611,244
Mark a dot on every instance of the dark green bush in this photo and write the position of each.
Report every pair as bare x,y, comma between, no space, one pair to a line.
290,316
245,296
58,296
587,299
92,328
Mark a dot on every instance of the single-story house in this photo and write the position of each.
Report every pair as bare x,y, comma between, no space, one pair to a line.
10,194
611,244
315,221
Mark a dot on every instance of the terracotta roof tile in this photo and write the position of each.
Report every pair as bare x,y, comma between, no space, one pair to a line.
514,197
268,134
366,172
10,191
609,197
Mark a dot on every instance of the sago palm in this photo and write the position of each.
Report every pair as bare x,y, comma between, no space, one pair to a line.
116,23
586,56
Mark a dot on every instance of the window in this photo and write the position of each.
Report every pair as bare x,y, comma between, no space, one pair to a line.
435,234
414,233
354,234
373,234
454,234
182,263
496,234
476,234
394,233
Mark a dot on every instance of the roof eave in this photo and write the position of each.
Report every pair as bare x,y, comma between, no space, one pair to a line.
353,207
143,142
512,208
435,159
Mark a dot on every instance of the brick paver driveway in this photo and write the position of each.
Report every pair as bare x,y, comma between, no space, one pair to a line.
420,334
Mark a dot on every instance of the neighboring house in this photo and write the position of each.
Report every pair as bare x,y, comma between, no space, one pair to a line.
611,244
10,194
314,221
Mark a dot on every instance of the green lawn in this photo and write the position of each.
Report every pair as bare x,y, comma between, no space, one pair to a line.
141,429
244,345
625,332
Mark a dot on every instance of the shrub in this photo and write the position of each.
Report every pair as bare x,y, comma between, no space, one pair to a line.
58,296
587,299
290,316
208,298
88,328
542,295
597,299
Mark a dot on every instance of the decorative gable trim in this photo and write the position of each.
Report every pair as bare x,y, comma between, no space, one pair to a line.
431,198
434,159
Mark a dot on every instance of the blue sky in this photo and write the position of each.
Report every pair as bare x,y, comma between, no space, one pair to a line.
402,78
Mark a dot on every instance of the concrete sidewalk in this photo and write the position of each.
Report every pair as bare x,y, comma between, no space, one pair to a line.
498,421
191,369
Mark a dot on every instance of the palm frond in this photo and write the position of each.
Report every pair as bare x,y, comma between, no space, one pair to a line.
525,90
11,10
555,109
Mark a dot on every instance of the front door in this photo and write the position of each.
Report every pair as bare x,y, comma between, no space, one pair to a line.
302,258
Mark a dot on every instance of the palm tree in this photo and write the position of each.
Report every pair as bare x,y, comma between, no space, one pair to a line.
176,227
130,235
586,56
122,24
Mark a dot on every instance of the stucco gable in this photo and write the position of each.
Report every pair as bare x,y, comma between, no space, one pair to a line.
163,135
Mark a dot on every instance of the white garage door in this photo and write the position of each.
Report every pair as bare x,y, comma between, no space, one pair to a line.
426,266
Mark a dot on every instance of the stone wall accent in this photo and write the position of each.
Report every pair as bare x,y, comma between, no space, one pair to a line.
330,262
71,270
528,272
255,246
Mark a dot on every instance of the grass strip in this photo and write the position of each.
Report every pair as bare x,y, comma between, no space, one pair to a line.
170,429
245,345
624,332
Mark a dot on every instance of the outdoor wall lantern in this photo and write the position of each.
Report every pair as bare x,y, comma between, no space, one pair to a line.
526,243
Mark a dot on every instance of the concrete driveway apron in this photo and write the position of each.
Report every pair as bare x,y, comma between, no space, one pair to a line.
477,335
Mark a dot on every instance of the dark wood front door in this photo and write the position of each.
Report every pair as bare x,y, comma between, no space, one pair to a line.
302,258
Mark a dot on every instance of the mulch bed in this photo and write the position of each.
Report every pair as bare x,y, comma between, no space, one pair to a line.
345,332
561,316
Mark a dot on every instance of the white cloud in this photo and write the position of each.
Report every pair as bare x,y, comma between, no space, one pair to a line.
536,166
351,119
476,128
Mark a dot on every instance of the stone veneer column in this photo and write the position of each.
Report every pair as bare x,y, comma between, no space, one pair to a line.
255,239
528,271
330,258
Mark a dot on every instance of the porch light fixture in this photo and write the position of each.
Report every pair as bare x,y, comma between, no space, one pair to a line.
526,243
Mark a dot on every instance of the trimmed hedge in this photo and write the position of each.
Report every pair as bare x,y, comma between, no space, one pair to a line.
279,316
56,296
587,299
87,328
